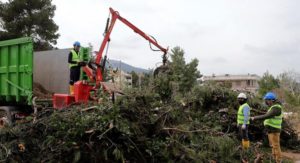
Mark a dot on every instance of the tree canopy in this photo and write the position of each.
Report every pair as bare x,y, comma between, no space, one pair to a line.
185,73
267,83
182,76
29,18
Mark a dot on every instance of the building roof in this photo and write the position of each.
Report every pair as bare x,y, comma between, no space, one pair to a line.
231,77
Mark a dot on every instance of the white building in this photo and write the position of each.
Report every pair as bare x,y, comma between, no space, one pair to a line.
246,83
121,78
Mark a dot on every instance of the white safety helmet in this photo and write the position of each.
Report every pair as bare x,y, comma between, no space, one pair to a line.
242,95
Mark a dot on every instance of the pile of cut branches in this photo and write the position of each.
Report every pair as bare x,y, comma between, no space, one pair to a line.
139,127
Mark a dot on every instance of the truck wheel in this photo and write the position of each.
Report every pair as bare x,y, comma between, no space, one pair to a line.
6,118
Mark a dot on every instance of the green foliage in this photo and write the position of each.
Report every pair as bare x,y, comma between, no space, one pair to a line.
185,74
267,83
180,78
211,97
135,79
146,80
163,86
286,86
139,127
31,18
289,87
140,80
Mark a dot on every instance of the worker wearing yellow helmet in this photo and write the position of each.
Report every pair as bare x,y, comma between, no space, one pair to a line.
243,119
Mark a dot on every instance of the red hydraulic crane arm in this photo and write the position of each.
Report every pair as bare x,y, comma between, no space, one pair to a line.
115,16
98,77
95,69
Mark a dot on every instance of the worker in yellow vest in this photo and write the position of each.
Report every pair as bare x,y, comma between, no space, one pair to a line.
243,117
272,122
74,65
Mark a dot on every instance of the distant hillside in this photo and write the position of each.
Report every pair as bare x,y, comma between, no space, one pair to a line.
125,67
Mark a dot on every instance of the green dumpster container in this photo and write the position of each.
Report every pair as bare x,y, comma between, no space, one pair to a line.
16,71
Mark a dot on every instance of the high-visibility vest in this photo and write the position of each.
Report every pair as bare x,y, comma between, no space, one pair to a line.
75,58
274,121
240,114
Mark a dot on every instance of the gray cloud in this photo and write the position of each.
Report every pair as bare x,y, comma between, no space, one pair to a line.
274,50
227,36
219,60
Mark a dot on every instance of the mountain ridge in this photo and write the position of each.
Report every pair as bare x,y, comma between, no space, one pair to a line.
125,66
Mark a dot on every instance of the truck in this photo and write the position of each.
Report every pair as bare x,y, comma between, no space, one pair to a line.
16,77
22,70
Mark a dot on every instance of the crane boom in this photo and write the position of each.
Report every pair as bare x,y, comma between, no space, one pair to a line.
114,17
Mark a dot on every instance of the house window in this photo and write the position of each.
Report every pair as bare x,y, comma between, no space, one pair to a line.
248,82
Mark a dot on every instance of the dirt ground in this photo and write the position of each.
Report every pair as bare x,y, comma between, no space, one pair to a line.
289,154
293,156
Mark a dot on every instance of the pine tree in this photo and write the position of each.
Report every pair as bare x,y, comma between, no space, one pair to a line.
180,78
29,18
267,83
185,73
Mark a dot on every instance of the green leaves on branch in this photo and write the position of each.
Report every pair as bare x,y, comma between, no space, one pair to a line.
185,74
182,79
286,85
267,83
30,18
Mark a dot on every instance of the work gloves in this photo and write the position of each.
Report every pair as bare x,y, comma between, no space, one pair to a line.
243,127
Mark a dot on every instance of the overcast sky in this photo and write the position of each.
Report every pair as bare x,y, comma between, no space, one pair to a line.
226,36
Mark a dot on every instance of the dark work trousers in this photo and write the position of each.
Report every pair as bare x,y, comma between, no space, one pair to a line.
74,74
243,133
